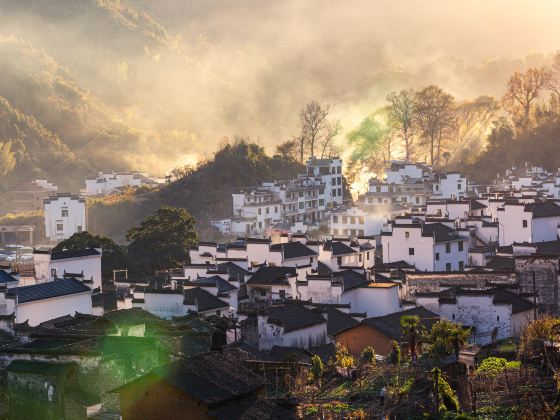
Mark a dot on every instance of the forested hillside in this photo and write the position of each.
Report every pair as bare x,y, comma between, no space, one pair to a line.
204,191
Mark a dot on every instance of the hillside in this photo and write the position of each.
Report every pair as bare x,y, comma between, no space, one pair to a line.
205,192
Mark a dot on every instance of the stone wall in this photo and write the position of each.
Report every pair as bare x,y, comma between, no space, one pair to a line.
544,269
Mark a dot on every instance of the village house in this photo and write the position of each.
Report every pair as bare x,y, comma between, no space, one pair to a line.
289,324
426,246
330,171
363,221
115,182
84,263
451,185
40,302
493,314
65,214
534,222
380,332
207,386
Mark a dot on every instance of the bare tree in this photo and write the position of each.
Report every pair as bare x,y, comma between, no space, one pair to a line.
331,131
434,116
313,118
522,92
401,110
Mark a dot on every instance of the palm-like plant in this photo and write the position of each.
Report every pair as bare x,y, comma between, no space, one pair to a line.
409,326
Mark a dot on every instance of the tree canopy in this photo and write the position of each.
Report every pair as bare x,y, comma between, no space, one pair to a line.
162,241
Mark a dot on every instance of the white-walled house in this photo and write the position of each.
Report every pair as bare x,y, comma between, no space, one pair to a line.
42,302
449,185
486,311
65,214
330,171
289,325
373,299
107,183
428,247
533,222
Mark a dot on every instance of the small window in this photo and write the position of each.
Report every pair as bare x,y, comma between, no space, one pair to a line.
524,223
267,210
407,234
447,248
339,261
59,227
335,219
461,265
53,273
453,317
460,246
459,186
437,256
334,192
340,192
79,229
310,260
360,258
448,267
410,251
367,255
64,212
498,318
260,211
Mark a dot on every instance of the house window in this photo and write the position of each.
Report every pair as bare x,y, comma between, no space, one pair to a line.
79,229
459,186
453,317
335,219
367,255
460,246
340,192
447,248
260,225
448,267
53,273
461,265
407,235
267,210
417,200
334,192
498,318
339,261
437,256
301,204
64,212
410,251
524,223
360,258
275,209
260,211
310,260
59,227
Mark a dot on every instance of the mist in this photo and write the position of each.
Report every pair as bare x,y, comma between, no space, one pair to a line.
182,75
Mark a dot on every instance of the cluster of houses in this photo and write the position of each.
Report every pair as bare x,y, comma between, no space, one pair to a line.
439,248
293,205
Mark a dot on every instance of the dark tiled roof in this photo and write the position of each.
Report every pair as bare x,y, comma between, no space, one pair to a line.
204,301
233,269
352,279
209,377
215,281
48,290
501,263
60,255
439,231
518,304
294,317
293,249
6,278
390,325
338,321
477,205
40,368
392,265
323,269
271,275
338,248
132,316
544,209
